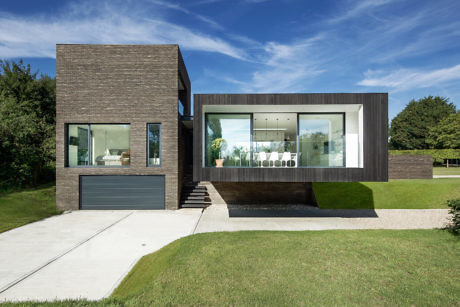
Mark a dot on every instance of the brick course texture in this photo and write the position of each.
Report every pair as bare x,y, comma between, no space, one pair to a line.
129,84
410,167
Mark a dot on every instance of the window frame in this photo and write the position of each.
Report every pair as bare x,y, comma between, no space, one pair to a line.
67,139
251,117
160,147
298,114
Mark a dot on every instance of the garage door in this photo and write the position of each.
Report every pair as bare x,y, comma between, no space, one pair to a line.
122,192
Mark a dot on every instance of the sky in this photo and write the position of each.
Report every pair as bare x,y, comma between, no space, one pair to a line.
408,48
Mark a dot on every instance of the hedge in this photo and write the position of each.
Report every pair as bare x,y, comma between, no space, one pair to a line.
439,155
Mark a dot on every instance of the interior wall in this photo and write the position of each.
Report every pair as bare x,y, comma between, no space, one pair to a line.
352,139
361,136
115,139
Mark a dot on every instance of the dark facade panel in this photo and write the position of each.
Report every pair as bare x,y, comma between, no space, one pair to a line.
410,167
122,192
375,136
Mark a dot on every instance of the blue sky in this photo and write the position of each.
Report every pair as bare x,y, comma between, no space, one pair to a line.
408,48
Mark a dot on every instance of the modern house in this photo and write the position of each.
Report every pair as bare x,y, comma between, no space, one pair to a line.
126,138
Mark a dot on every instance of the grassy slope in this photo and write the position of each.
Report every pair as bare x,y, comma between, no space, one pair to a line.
22,207
373,267
446,171
395,194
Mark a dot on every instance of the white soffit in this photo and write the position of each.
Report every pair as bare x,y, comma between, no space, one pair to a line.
299,108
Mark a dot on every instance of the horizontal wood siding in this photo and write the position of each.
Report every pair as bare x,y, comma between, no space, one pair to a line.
375,139
410,167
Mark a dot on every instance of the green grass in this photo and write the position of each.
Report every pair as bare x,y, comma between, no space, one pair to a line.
446,171
394,194
18,208
333,268
373,267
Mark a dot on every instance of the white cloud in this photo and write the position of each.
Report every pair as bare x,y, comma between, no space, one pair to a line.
177,7
360,8
405,79
112,23
286,67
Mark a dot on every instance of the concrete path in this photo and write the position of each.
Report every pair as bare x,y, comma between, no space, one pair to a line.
83,254
222,218
445,176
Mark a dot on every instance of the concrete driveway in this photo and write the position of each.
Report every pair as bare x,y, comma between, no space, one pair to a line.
83,254
233,218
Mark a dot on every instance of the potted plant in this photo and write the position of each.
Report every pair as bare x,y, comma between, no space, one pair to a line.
218,145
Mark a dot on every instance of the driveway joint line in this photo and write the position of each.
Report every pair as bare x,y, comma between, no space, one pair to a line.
198,222
27,275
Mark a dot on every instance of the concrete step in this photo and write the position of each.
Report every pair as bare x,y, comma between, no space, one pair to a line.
195,193
194,190
204,205
193,201
201,198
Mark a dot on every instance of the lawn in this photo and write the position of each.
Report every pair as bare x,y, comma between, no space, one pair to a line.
446,171
394,194
370,267
18,208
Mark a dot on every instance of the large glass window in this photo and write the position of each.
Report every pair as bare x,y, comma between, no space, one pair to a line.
154,144
228,140
98,145
274,139
282,139
321,140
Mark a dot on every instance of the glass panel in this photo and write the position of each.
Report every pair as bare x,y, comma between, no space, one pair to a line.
228,140
78,153
110,145
321,140
180,107
154,144
274,139
98,145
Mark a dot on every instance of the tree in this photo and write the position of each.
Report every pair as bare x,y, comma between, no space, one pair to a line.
27,125
410,128
446,134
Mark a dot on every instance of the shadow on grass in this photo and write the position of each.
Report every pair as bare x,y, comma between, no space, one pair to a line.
335,199
306,212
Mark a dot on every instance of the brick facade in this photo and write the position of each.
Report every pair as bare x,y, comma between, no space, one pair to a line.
113,84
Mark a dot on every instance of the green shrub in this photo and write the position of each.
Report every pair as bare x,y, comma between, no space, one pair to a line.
454,205
438,154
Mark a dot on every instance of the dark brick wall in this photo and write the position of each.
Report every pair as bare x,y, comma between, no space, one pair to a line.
265,192
135,84
410,167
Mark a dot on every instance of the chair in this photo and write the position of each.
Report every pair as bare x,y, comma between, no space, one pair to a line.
125,157
294,158
285,158
261,157
237,158
248,158
274,156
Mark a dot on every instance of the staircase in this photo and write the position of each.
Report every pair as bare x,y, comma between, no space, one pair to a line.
194,195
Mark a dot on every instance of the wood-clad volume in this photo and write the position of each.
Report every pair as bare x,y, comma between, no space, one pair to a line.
375,139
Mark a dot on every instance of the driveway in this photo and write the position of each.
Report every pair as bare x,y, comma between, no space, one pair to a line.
234,218
83,254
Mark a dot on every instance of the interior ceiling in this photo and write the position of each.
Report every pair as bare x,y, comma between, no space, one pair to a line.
282,108
274,121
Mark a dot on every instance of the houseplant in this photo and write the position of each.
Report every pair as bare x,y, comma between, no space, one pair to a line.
218,145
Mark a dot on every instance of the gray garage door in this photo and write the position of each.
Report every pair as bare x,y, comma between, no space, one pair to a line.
122,192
